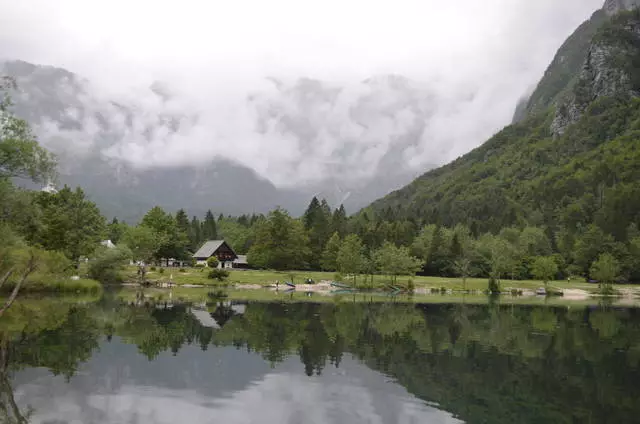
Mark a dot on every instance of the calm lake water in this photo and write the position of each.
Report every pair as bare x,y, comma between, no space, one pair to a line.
108,362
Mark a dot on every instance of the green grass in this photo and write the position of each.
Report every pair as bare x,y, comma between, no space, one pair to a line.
48,284
198,276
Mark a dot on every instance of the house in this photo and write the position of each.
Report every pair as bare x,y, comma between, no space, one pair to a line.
241,262
108,244
218,248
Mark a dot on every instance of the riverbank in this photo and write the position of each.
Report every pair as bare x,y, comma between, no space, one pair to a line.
255,279
46,285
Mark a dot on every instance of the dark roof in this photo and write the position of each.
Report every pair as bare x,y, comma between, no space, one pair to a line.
208,249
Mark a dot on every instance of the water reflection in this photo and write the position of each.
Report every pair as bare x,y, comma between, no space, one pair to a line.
324,363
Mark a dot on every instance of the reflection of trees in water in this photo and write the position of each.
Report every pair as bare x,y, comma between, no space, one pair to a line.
9,409
483,363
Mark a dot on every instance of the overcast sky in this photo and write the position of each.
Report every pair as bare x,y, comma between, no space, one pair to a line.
493,50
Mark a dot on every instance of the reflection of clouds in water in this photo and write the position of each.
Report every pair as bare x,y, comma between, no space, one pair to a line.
277,398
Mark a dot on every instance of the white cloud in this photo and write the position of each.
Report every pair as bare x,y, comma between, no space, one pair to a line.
469,62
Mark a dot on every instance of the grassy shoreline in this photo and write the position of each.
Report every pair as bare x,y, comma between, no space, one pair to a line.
195,276
55,285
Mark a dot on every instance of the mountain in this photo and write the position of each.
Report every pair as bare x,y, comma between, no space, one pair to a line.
572,158
126,149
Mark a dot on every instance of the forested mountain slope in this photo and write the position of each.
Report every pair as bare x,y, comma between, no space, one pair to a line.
572,161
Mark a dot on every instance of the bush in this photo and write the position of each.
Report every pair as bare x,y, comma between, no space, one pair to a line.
199,266
213,262
218,274
161,270
182,270
493,287
153,268
337,277
108,263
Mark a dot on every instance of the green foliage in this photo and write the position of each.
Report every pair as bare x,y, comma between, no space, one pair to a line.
606,270
213,262
20,154
394,261
351,258
143,241
544,268
494,286
209,228
71,223
317,222
330,255
107,264
280,243
218,274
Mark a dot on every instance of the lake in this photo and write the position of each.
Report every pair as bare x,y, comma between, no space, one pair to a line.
343,362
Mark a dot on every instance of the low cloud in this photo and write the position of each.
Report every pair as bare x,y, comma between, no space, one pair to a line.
301,95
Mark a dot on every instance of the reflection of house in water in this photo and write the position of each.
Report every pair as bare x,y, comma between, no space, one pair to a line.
220,316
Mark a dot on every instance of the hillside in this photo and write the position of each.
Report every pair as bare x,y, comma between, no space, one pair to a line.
572,160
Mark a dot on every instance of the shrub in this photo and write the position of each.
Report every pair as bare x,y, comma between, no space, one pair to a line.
218,274
199,266
337,277
182,270
161,270
213,262
153,268
108,263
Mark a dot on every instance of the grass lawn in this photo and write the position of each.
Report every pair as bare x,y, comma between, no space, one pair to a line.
198,276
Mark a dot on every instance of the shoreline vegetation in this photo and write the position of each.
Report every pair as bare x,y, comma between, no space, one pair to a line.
252,285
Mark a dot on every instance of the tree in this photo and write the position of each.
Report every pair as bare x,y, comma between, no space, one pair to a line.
209,228
330,255
108,262
463,267
498,255
544,268
144,242
339,221
280,243
394,261
317,222
351,256
174,241
115,230
195,234
606,271
72,224
20,154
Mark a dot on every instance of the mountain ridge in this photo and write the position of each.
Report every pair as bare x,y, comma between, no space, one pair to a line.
564,166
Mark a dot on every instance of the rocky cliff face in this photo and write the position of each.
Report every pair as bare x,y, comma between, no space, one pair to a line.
612,7
610,68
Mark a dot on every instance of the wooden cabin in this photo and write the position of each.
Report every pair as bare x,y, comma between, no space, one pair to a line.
218,248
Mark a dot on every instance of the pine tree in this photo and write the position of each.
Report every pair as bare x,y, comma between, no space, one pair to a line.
209,227
195,234
339,221
317,222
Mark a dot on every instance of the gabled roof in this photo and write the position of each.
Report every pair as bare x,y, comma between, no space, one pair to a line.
209,248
